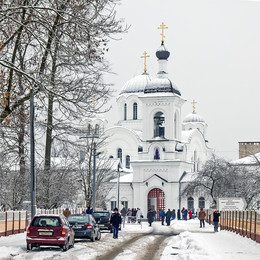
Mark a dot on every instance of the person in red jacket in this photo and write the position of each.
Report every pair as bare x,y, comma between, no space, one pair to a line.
190,214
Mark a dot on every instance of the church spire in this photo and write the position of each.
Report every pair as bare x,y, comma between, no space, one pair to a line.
162,54
162,27
193,105
145,56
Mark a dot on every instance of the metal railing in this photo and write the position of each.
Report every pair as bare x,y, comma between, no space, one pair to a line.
13,222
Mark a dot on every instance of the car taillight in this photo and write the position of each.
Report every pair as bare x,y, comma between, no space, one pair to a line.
89,226
28,231
63,233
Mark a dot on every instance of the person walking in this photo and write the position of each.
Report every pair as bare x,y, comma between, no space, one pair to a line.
150,217
202,215
168,217
139,215
115,221
162,213
154,215
66,212
173,214
123,214
190,214
129,215
216,216
179,214
185,214
182,212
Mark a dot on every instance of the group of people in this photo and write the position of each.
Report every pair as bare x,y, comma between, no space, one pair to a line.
202,216
133,215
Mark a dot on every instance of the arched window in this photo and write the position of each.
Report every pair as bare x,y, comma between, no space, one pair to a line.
127,161
135,111
119,154
96,129
159,120
157,154
125,112
201,202
190,203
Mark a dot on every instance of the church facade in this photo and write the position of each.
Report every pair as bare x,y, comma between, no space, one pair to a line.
159,153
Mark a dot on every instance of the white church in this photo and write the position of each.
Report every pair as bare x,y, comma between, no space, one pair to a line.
159,152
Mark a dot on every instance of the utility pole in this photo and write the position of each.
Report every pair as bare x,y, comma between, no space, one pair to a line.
94,177
32,141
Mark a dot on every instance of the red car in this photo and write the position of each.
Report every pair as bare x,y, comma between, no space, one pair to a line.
50,230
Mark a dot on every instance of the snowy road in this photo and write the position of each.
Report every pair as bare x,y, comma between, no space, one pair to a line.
159,242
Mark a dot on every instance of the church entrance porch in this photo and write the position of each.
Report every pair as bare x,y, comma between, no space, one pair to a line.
156,201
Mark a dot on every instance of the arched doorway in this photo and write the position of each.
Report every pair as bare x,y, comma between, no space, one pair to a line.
156,200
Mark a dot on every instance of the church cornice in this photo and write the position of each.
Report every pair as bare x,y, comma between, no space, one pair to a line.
156,170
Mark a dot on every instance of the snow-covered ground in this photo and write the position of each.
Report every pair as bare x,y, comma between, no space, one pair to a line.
202,243
137,243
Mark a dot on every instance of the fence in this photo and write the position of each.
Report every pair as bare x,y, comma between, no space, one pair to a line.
245,223
13,222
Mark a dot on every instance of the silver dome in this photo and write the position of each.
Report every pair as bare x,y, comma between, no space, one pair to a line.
193,118
136,84
161,85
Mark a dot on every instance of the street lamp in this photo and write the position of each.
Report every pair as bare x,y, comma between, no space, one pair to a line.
119,166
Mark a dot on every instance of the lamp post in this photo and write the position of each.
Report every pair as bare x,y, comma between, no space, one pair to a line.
118,183
32,142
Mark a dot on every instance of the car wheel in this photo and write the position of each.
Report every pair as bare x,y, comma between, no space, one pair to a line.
29,247
93,238
72,243
66,246
98,235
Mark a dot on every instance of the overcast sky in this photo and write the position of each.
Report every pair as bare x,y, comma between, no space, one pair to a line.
215,59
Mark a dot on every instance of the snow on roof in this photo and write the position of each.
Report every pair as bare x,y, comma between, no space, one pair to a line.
187,135
251,159
189,177
125,178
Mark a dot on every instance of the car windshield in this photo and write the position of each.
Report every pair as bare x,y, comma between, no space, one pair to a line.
46,222
100,214
78,218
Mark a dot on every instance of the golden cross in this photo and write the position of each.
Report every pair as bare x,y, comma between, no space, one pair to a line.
193,104
162,27
94,102
145,56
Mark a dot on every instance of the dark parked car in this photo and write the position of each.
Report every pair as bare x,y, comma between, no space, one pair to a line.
84,226
103,220
50,230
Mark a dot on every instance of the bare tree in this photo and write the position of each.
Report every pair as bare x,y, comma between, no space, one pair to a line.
220,178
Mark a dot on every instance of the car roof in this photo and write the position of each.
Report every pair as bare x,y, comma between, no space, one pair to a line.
48,215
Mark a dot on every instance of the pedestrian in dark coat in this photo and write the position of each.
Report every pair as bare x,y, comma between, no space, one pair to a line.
168,217
150,217
173,214
178,214
154,215
216,216
185,214
202,216
182,212
89,211
162,213
115,221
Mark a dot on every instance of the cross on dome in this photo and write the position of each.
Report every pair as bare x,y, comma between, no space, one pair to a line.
193,105
162,27
145,56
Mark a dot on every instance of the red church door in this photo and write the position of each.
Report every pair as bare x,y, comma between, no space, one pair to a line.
156,200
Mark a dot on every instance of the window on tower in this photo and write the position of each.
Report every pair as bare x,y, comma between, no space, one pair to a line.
125,112
127,161
119,154
135,111
159,120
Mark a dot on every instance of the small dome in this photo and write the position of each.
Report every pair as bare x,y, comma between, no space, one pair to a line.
161,85
193,118
136,84
162,53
